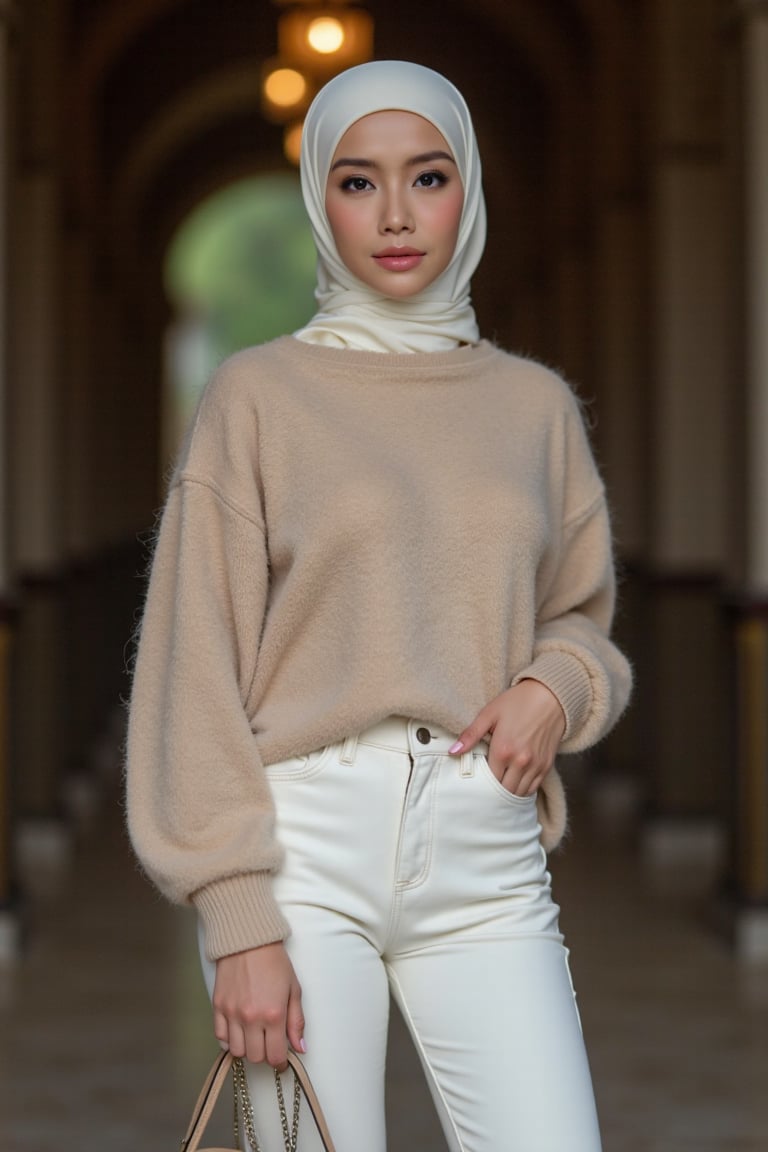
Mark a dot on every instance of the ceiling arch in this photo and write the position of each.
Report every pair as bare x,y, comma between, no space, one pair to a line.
214,101
118,44
106,34
166,104
224,91
211,100
541,29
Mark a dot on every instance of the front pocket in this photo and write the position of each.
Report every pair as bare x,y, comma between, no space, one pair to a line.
300,767
486,773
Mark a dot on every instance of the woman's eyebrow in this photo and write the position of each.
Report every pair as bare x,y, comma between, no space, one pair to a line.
423,158
352,163
428,157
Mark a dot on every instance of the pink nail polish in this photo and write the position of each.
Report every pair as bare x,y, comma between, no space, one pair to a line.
457,747
302,1045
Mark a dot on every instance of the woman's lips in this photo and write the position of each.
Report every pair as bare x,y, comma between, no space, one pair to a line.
398,259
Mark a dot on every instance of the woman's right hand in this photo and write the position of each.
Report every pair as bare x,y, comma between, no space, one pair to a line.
257,1005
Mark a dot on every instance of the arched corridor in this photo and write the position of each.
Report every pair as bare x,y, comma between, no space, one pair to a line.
625,154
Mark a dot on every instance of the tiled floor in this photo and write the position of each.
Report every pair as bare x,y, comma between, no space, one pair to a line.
104,1026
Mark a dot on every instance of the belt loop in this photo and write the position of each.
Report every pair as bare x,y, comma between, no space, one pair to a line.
467,764
349,749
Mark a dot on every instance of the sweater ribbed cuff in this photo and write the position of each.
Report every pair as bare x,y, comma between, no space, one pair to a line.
568,679
239,913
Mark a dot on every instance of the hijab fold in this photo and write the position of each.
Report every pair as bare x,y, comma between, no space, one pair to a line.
350,314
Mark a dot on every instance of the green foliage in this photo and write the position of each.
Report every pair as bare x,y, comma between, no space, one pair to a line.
244,263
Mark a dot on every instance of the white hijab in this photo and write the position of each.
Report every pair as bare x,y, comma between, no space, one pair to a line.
350,314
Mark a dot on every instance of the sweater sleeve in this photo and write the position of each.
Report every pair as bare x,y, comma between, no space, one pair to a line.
200,813
573,654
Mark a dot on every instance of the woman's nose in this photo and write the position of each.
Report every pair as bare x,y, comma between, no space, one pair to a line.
397,216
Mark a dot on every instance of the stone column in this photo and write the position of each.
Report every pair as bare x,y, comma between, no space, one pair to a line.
38,454
83,544
618,785
683,683
38,469
748,866
8,919
619,318
755,14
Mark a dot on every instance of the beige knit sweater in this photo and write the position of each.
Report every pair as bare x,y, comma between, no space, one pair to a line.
349,536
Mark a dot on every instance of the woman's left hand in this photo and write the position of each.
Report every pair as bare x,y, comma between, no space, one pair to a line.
526,724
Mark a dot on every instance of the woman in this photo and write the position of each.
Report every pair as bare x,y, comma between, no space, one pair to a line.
379,606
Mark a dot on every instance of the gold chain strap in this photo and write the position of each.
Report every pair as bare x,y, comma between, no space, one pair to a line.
243,1100
290,1138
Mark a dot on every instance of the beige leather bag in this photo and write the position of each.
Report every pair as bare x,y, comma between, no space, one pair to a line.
211,1089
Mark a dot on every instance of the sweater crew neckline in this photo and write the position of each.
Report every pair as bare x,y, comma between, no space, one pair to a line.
457,358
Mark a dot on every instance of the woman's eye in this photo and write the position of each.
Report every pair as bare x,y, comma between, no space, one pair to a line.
356,184
431,179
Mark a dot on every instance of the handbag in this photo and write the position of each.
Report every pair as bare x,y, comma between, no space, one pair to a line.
211,1090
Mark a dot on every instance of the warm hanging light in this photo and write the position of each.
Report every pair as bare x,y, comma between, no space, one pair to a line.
325,35
322,39
285,91
285,87
315,41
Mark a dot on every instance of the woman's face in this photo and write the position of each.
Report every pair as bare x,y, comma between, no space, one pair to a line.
394,200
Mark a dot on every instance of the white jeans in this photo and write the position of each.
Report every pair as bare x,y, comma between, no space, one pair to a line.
411,870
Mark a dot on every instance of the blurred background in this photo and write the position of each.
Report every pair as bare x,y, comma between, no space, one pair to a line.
151,222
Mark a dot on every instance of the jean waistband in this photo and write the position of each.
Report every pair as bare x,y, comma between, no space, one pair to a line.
399,734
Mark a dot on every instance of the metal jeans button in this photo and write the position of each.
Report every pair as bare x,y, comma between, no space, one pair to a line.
423,735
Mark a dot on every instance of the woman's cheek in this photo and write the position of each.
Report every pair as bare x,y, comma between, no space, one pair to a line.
347,220
445,215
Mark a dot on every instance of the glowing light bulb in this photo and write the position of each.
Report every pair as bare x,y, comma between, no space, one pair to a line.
285,87
326,35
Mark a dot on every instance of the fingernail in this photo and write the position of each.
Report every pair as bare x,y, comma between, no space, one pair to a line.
302,1045
457,747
